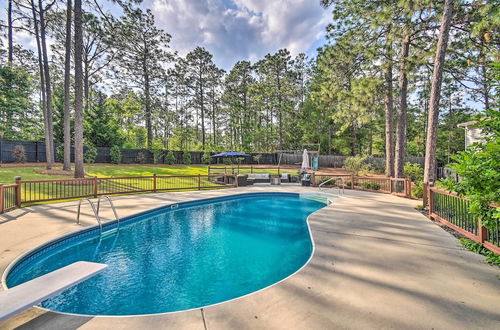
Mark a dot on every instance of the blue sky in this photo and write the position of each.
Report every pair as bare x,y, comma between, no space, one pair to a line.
234,30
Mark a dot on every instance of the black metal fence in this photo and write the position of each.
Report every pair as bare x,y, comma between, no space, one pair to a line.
35,152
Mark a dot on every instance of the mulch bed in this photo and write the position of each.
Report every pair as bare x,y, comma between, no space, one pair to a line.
56,172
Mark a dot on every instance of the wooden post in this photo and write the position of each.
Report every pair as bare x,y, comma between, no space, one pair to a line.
425,195
199,181
251,169
208,169
431,204
154,182
235,181
390,185
225,170
482,232
94,183
408,188
1,199
18,191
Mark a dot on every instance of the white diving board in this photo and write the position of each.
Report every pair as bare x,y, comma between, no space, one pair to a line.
25,295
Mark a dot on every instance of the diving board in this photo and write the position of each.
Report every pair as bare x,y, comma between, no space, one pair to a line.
25,295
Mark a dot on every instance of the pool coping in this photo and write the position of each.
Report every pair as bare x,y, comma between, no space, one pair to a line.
24,257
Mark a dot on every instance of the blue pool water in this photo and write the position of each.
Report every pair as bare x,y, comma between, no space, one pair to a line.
175,259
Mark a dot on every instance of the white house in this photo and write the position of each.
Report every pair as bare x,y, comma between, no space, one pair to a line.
472,134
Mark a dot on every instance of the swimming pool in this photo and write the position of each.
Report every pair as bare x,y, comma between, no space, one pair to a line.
180,257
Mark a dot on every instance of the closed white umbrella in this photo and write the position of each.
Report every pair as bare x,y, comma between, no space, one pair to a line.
305,160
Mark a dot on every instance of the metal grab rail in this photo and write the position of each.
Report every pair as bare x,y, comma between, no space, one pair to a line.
334,178
112,207
96,213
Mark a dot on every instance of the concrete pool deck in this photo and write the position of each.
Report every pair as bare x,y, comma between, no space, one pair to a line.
378,263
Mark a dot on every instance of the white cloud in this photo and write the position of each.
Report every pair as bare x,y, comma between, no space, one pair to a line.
235,30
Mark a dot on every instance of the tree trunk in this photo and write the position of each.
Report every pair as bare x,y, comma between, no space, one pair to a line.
389,121
437,77
401,112
49,149
213,115
202,110
79,170
147,100
42,76
67,89
86,84
9,32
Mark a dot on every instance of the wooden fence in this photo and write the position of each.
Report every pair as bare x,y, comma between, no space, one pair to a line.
395,186
454,212
8,195
34,191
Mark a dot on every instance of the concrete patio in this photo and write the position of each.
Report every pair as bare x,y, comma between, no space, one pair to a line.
378,263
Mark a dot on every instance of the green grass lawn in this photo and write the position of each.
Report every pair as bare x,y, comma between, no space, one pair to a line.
30,173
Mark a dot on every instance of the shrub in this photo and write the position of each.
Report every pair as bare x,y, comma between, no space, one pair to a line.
157,155
227,161
60,153
356,164
90,154
186,157
206,159
418,190
19,154
370,185
141,157
414,172
476,247
170,159
116,155
257,158
479,169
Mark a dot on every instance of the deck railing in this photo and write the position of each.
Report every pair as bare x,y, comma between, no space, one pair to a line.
395,186
8,197
34,191
454,212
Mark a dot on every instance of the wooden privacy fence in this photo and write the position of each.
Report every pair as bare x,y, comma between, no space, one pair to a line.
33,191
395,186
454,212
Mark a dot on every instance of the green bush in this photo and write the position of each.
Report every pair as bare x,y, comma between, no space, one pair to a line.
90,154
206,159
418,190
476,247
356,164
370,185
227,161
170,159
60,153
157,155
116,155
414,172
479,169
257,158
186,158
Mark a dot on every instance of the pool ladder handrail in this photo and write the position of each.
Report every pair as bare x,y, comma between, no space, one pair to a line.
96,211
96,214
117,218
320,186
